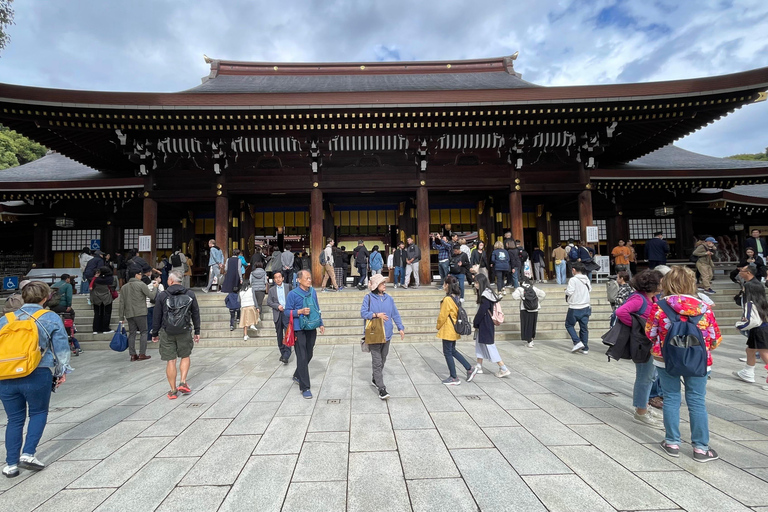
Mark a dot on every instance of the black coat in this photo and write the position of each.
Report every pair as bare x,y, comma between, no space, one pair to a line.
92,266
486,331
361,255
479,258
455,268
400,257
514,258
752,242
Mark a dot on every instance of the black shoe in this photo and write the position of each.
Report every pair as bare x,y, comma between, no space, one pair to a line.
383,395
285,360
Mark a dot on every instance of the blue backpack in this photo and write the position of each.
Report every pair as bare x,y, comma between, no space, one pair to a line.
684,350
312,320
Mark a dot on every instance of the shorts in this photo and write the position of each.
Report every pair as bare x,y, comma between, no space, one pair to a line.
173,346
758,338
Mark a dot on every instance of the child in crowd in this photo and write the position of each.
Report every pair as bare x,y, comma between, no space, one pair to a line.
232,301
249,314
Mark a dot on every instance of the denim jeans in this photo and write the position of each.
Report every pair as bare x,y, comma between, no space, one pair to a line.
443,267
400,275
645,375
363,271
33,392
580,316
462,278
656,389
84,286
150,319
695,394
560,270
450,352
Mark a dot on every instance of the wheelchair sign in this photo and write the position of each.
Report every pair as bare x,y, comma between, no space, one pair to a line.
10,283
95,245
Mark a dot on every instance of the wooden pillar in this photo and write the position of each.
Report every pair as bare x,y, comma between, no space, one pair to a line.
316,234
585,203
516,214
422,222
543,238
41,248
150,229
221,229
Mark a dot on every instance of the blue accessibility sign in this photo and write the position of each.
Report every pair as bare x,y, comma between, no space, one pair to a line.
10,283
95,245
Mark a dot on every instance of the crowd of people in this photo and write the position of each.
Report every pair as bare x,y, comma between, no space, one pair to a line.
662,320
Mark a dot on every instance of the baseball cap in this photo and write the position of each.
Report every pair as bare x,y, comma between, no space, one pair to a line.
710,239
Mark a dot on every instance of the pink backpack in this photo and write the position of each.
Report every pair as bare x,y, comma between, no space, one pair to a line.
497,315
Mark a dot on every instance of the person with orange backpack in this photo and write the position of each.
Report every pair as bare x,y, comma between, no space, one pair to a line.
486,319
34,360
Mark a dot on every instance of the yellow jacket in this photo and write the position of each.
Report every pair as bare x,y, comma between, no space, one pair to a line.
445,329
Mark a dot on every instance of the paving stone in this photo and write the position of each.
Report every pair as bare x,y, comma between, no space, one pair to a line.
624,450
437,398
486,413
729,413
116,469
185,499
196,439
623,422
458,430
102,446
222,462
691,493
327,437
524,385
761,473
376,483
409,413
99,423
336,387
733,431
566,493
330,417
562,410
546,428
441,494
605,475
149,487
88,411
261,485
75,500
371,432
493,482
284,435
230,405
524,452
253,419
294,404
275,390
155,409
760,426
424,455
507,397
176,421
321,462
316,497
38,488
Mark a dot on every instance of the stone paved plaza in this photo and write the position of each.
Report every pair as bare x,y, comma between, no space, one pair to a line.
556,435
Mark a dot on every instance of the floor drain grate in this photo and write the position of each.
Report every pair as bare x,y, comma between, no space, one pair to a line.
608,393
473,397
333,401
194,405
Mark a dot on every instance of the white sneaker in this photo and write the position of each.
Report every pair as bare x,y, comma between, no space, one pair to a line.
479,368
585,352
11,471
245,338
253,327
648,420
30,462
577,347
744,375
503,373
529,344
461,300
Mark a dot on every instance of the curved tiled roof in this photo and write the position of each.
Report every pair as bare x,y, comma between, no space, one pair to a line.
51,167
672,157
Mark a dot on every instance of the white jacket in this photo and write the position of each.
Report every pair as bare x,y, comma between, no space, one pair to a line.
246,298
519,294
577,292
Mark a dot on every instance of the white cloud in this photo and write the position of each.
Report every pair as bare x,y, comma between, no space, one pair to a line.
157,45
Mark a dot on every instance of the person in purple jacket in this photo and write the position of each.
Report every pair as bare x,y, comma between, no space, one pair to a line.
646,284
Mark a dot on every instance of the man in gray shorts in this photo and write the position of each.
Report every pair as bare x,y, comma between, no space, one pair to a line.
176,314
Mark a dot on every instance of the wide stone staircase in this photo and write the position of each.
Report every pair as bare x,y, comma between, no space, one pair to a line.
418,308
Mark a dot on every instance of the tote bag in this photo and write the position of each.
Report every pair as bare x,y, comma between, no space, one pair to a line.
374,332
119,341
290,335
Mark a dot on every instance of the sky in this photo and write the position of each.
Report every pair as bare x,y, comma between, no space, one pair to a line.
158,45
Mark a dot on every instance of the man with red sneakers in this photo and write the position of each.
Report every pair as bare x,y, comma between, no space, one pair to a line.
176,312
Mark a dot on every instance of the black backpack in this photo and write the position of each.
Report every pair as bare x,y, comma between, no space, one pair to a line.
54,298
461,325
323,258
176,260
530,299
178,313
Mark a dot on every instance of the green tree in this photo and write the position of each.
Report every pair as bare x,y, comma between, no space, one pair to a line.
15,149
6,19
751,156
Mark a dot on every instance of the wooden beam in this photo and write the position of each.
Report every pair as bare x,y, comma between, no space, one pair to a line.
150,228
516,214
422,228
585,203
221,229
316,234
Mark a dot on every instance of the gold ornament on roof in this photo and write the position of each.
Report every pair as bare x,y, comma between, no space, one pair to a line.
207,59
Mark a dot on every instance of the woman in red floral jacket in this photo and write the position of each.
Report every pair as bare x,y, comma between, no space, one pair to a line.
679,290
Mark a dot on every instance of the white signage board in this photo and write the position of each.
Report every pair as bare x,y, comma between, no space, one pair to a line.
592,235
605,264
145,243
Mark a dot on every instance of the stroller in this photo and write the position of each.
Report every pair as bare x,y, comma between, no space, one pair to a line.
69,326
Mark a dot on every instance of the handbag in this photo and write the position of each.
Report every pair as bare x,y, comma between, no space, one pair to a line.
374,332
751,318
119,340
290,335
114,293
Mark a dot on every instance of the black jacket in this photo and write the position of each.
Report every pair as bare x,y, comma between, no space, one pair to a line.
514,258
454,265
346,258
361,255
479,258
399,259
158,320
257,256
92,266
752,242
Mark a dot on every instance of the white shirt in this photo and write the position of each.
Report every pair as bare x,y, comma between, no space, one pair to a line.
577,292
391,260
151,287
